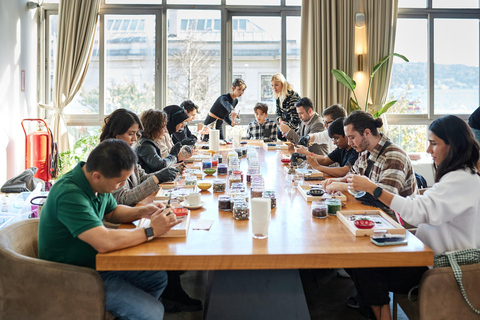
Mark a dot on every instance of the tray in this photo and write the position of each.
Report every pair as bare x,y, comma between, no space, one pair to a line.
254,142
277,146
305,187
194,171
179,193
388,224
309,172
197,158
180,230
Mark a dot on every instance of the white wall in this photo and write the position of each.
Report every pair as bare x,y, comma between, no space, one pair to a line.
18,51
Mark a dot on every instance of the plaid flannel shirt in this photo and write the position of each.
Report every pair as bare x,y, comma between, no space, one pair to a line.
259,131
392,170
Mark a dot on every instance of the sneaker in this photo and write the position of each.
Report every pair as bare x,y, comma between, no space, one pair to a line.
185,304
352,302
342,273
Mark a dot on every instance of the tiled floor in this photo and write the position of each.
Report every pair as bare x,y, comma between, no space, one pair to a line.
325,292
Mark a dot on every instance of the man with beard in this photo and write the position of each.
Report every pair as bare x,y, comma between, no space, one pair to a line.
383,162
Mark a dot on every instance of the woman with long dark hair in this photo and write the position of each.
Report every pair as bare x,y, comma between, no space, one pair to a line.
125,125
446,214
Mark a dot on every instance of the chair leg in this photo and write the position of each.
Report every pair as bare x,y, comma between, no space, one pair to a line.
395,305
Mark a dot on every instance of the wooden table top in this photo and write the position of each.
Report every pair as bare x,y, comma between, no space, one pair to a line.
295,238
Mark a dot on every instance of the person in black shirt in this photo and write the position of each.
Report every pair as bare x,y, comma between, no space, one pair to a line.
474,123
344,154
224,107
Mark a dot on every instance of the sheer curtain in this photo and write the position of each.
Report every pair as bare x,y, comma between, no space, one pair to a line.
381,22
77,21
328,34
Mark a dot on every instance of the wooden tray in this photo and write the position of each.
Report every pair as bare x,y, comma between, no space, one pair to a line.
390,225
305,187
254,142
314,173
194,172
162,194
180,230
277,146
197,158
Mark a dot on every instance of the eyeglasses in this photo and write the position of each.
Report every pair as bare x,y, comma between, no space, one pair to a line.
328,122
335,139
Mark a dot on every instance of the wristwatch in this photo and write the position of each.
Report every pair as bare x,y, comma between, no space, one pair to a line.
377,192
149,233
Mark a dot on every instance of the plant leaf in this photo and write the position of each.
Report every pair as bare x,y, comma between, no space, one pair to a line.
352,106
379,64
384,109
344,79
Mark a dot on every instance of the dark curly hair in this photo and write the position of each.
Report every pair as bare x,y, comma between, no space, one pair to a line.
361,120
118,122
154,121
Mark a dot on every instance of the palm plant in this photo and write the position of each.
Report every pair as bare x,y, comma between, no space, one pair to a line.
351,85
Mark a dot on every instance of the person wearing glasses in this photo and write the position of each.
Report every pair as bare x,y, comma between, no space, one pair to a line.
125,125
285,99
176,122
331,113
223,108
344,154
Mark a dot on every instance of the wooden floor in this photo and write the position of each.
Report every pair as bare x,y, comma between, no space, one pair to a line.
326,295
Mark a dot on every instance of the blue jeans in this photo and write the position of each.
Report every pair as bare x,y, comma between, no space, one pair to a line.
134,294
476,133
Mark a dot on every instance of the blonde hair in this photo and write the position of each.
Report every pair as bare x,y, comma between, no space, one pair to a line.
285,86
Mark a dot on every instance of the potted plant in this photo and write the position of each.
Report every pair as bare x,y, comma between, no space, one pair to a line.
351,85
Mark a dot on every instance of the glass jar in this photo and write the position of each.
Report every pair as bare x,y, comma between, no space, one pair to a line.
231,156
219,158
241,210
219,185
190,180
237,187
239,152
257,191
319,209
207,164
222,168
238,173
273,199
224,203
333,206
214,162
232,179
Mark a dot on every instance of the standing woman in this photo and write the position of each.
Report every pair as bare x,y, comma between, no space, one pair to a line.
176,122
447,214
149,156
224,107
125,125
285,98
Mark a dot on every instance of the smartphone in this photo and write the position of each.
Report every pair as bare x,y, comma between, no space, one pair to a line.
389,241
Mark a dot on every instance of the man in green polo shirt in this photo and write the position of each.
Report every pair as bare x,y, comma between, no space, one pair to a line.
71,229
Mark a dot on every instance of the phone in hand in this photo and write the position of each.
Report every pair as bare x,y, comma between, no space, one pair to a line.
388,241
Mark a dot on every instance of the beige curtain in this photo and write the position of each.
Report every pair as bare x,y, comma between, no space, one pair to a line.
77,21
328,33
381,22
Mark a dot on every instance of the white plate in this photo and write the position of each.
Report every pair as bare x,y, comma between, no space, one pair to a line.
185,205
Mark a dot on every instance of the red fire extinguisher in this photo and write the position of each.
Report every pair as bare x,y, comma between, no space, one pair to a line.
38,150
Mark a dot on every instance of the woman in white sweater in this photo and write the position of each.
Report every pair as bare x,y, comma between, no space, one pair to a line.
447,215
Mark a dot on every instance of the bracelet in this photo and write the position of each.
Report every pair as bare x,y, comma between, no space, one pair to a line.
311,154
346,181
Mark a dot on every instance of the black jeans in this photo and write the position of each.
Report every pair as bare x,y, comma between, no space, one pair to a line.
218,126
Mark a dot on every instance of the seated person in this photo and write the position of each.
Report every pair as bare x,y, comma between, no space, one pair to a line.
125,125
176,122
447,215
333,112
344,154
191,109
154,127
262,128
474,123
311,123
71,230
223,109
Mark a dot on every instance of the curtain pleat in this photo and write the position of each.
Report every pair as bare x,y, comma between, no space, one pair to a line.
327,33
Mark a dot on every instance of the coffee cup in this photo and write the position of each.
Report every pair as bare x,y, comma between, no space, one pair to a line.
193,199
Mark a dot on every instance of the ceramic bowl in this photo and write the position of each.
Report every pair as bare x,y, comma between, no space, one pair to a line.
285,161
204,185
364,224
210,171
317,192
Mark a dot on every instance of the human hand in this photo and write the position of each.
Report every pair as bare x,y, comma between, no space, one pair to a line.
147,210
162,221
284,128
312,161
176,149
336,186
361,183
304,141
302,150
166,174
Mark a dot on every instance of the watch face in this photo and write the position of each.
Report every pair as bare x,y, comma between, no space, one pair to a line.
149,232
377,192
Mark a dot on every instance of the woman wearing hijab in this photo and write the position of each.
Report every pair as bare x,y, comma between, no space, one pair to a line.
176,121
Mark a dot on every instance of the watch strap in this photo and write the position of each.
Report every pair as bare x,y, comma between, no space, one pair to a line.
149,233
377,192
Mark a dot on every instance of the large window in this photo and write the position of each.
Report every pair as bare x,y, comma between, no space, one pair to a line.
153,53
441,40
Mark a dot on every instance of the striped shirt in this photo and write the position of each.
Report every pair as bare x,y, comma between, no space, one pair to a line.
392,170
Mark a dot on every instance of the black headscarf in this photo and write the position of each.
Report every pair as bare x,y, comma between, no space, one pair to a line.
176,115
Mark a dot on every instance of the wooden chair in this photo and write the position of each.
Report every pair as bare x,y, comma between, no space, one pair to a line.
440,297
31,288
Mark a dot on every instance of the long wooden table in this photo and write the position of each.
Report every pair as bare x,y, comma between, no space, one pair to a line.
295,240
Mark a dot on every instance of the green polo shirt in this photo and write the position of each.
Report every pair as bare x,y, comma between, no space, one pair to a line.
71,209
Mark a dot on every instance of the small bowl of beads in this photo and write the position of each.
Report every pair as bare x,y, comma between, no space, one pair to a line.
204,185
285,161
364,224
210,171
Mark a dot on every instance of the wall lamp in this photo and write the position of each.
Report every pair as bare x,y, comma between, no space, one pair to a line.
360,39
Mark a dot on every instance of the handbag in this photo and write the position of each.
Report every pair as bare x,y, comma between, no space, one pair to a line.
24,182
455,259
